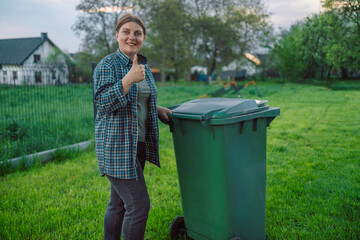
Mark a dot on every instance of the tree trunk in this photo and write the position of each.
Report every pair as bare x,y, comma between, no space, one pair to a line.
176,75
344,73
329,73
328,80
106,42
212,66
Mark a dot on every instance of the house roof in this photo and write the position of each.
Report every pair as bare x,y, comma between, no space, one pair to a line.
16,51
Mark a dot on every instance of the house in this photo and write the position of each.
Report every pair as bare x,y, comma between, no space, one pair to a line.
237,70
26,61
243,68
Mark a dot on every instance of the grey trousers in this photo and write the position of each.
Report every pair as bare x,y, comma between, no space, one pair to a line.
129,205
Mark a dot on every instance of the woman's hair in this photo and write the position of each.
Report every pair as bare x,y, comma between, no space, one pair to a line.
130,18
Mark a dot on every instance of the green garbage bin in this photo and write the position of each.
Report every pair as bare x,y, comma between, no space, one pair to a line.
220,149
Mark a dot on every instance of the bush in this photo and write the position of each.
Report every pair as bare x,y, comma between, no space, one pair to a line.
345,86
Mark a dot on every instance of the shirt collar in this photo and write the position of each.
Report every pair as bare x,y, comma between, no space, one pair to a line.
127,61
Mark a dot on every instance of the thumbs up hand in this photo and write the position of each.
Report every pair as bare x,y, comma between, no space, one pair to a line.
137,71
135,75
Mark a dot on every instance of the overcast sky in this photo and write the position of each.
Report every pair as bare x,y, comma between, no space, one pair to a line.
28,18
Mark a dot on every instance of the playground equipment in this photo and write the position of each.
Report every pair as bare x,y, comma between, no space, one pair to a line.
231,86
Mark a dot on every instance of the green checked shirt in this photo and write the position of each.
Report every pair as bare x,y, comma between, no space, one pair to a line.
116,131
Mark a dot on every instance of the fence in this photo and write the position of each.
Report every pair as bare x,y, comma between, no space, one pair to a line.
40,110
51,73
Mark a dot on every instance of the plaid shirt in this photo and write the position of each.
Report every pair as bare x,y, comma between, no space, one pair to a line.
116,132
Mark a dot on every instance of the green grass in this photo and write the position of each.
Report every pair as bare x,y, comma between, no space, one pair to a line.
313,180
39,118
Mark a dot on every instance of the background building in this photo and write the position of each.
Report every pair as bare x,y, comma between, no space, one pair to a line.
32,61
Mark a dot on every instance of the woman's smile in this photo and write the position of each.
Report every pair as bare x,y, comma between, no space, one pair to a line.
130,38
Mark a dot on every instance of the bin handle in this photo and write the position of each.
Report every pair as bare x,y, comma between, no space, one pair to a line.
205,118
269,120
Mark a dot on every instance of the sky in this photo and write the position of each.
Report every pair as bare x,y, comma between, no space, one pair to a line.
28,18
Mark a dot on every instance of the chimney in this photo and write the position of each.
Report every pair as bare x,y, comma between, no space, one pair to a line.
43,35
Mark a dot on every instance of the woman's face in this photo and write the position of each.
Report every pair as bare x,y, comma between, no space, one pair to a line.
130,38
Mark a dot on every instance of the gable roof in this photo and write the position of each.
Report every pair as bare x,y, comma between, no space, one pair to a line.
16,51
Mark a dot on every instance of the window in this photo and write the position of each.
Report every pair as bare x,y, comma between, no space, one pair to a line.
15,76
53,74
5,76
38,77
36,58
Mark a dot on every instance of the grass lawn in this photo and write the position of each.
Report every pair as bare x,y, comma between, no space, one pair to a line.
39,118
313,180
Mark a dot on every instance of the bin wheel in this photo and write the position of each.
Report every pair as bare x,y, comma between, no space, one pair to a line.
177,229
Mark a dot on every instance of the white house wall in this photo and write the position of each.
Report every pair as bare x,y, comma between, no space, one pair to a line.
61,76
44,51
51,73
29,69
244,65
7,74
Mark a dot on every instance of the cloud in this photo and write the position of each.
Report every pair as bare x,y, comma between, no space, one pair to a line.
286,13
28,18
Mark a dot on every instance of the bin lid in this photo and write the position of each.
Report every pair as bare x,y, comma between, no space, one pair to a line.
205,109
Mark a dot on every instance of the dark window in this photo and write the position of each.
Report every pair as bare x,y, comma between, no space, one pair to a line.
15,76
53,74
38,77
36,58
5,75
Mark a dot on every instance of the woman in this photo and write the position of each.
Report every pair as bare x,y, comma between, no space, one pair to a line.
126,129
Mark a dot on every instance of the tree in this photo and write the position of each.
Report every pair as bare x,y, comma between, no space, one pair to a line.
169,41
96,24
57,60
181,33
316,46
301,52
226,29
315,37
83,61
286,52
349,10
211,33
343,51
251,30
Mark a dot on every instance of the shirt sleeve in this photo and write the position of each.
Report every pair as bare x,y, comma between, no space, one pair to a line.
108,90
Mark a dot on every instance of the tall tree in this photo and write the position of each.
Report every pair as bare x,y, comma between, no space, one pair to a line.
96,24
347,9
314,38
169,41
318,45
226,29
198,32
343,51
287,54
181,33
62,62
301,51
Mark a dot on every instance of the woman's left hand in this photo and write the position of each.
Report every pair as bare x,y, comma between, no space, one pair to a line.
163,113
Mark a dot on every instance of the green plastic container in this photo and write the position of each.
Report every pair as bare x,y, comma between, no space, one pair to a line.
220,148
